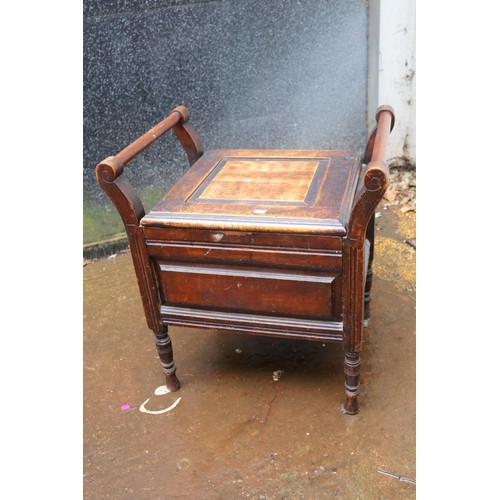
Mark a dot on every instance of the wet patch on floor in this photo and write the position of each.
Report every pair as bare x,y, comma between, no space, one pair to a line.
396,245
259,417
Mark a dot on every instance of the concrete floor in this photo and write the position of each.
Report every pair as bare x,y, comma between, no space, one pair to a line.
236,432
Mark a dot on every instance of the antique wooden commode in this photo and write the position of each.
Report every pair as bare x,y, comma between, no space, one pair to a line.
266,242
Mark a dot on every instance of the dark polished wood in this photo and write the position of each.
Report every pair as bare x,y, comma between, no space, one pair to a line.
164,348
352,370
265,242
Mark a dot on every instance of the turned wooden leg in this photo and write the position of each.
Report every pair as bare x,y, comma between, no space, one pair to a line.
352,368
164,348
370,236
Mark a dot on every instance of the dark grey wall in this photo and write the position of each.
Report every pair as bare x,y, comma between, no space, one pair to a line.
258,73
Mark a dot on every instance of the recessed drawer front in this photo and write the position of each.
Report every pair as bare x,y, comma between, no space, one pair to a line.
272,239
255,290
256,256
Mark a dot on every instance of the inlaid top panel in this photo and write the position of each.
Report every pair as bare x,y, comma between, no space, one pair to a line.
257,180
285,190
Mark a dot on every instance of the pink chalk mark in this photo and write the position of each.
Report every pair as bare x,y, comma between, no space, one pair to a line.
125,407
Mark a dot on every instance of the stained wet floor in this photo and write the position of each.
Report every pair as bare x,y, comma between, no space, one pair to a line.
258,417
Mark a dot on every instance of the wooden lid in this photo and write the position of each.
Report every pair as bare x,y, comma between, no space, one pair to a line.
263,190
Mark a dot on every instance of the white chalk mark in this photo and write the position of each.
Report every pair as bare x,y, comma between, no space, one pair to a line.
158,412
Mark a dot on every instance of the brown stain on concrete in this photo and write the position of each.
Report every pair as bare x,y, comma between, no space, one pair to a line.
237,433
395,259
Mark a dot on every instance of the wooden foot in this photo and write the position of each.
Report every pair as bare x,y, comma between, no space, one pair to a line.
164,348
352,368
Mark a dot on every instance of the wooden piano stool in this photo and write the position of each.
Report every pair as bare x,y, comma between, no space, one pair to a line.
265,242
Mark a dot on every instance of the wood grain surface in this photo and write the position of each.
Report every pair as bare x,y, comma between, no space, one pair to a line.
296,190
267,242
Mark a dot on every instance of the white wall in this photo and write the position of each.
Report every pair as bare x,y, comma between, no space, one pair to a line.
392,36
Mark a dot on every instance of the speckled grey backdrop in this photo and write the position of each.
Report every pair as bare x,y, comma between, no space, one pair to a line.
256,73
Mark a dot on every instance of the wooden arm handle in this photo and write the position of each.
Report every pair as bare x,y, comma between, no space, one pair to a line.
376,148
372,186
179,114
377,173
112,167
108,171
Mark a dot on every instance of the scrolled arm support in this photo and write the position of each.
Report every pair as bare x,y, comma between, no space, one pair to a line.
376,176
375,179
372,184
129,206
112,167
119,190
109,171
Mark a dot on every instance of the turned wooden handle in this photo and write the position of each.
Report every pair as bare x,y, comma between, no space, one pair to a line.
372,186
108,171
377,172
179,114
377,143
112,167
385,124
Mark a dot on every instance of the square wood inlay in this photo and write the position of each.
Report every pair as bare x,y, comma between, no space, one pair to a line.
262,180
299,191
